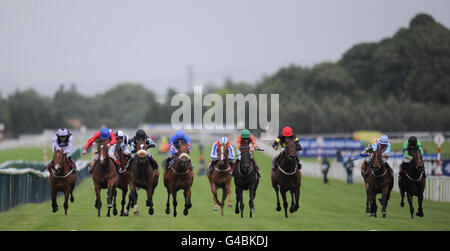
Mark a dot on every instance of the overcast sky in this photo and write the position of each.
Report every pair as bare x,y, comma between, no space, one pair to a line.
98,44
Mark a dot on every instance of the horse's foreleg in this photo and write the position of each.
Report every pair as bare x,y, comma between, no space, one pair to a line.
240,200
54,202
174,201
72,199
373,204
149,201
133,197
420,200
98,202
236,208
276,187
187,201
66,201
224,197
214,193
411,206
285,203
367,198
123,202
292,208
168,202
252,192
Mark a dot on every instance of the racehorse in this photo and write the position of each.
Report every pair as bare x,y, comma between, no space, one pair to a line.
143,175
287,177
221,176
62,179
178,175
413,183
104,175
245,178
122,182
379,180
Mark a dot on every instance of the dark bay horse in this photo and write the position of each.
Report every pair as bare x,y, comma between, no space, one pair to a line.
221,176
413,183
142,175
287,177
62,179
178,175
245,178
122,182
104,175
379,180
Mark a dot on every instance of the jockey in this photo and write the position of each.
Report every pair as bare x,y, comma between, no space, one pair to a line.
104,134
384,143
215,158
141,135
281,140
245,139
174,147
63,139
411,145
122,141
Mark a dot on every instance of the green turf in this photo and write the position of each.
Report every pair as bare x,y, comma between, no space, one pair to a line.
25,154
338,206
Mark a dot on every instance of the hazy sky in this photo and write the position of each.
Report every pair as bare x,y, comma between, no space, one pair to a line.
97,44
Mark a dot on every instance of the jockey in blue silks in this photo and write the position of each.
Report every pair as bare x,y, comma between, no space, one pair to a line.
174,146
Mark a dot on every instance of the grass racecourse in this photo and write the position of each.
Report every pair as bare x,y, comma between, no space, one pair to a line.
337,206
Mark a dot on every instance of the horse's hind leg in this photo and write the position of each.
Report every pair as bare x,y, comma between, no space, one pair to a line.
224,197
230,202
292,208
123,202
72,199
149,202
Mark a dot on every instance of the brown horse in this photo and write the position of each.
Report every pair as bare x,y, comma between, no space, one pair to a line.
142,175
379,180
413,183
178,175
287,177
122,182
221,176
104,175
62,179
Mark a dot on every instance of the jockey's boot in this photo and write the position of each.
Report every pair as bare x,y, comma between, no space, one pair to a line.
72,165
299,165
190,165
234,167
257,168
211,167
153,162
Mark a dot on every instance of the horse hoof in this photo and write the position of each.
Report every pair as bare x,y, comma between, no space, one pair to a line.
215,208
185,212
402,204
167,211
55,209
420,214
236,211
115,212
291,210
136,213
72,199
151,211
174,214
278,208
230,205
252,210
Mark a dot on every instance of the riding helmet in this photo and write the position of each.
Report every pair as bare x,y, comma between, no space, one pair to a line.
412,141
141,134
105,134
384,140
245,134
179,134
287,131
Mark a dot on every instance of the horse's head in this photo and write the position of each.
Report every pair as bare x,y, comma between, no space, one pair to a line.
417,161
142,148
222,154
377,163
183,155
58,158
246,160
102,149
291,149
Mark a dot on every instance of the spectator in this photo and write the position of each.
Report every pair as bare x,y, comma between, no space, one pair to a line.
325,168
348,165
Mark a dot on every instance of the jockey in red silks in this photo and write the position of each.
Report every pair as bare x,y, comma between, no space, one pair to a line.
104,134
